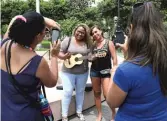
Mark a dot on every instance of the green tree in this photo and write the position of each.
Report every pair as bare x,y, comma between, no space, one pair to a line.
9,9
68,25
12,8
109,9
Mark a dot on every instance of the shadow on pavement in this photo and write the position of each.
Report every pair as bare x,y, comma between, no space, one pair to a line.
91,113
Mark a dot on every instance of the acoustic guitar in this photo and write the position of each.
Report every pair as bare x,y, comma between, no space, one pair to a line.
78,59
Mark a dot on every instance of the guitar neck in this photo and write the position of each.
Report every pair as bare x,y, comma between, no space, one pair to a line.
83,57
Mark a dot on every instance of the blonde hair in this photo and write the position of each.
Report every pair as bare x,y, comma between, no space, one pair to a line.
87,34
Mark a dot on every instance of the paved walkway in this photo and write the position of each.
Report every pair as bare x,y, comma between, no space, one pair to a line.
91,113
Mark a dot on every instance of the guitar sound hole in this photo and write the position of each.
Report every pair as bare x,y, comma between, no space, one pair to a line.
76,59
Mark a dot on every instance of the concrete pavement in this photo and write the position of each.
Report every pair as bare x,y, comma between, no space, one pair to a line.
91,113
54,97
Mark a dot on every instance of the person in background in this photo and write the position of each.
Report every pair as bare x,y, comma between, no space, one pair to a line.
75,77
29,69
139,86
100,72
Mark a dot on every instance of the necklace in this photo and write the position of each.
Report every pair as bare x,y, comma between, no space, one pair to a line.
24,46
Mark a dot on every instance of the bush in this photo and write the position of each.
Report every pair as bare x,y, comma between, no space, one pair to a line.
165,24
4,29
41,49
45,44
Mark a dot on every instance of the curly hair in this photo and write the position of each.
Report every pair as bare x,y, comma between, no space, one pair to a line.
87,33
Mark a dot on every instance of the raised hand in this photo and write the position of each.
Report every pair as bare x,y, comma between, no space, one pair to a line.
91,57
55,48
124,47
67,55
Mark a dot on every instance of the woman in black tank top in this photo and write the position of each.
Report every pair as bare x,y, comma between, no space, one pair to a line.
101,67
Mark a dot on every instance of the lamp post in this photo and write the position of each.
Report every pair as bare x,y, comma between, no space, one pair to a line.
119,35
38,11
38,6
118,12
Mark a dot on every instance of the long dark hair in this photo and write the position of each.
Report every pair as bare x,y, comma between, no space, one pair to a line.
148,40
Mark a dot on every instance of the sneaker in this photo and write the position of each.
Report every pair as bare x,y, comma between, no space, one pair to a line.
81,116
64,119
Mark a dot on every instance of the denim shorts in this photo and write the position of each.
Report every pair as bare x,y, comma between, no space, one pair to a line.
94,73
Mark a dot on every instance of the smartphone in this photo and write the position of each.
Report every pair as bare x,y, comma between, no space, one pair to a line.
55,35
119,36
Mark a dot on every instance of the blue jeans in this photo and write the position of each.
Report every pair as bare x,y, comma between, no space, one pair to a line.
71,81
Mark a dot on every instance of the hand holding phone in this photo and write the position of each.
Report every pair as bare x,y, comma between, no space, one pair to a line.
124,46
55,35
55,48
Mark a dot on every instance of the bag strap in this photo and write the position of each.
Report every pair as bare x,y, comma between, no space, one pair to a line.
33,101
24,66
3,41
68,44
43,89
29,62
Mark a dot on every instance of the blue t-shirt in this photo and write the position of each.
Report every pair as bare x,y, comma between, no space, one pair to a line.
144,101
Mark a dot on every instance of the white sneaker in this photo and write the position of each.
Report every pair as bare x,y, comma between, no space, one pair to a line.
81,116
64,119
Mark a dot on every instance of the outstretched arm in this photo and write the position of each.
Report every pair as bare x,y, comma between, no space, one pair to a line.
113,54
50,23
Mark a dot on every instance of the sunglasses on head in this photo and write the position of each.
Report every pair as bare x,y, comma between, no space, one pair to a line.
138,5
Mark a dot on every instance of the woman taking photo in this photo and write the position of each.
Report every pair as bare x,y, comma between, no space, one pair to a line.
139,86
27,68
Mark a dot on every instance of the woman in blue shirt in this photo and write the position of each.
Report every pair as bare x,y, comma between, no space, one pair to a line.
139,86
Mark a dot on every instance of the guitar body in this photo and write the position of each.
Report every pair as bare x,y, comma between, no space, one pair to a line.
73,60
78,59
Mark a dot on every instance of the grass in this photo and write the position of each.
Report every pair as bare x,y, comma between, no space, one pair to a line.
45,46
42,49
45,42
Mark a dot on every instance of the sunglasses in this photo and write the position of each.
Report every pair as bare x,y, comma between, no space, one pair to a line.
138,5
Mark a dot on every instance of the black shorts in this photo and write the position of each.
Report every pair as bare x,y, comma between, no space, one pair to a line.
94,73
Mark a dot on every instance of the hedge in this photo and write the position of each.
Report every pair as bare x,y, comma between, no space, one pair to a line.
45,44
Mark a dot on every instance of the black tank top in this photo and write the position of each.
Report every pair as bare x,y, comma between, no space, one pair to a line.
102,63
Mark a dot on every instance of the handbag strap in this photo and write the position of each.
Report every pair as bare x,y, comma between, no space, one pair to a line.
68,43
43,90
3,41
21,90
